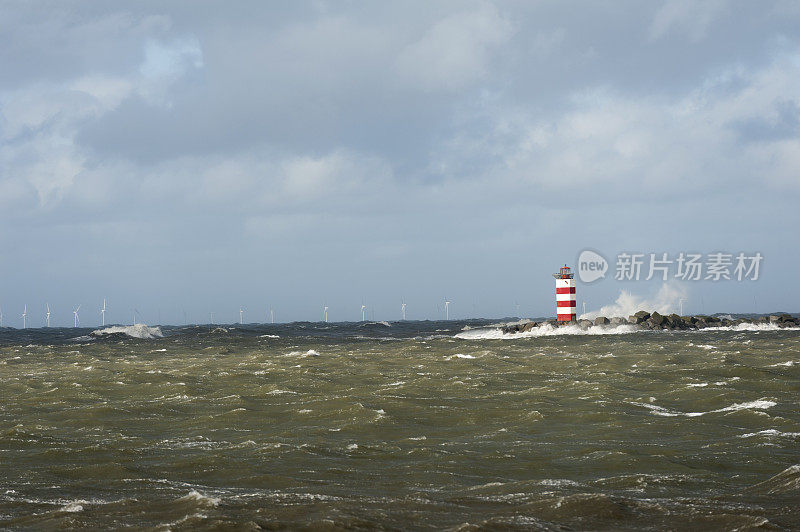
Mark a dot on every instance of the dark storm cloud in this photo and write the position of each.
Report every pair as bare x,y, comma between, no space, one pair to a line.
348,150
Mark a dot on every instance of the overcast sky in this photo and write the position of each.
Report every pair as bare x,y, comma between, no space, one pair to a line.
197,156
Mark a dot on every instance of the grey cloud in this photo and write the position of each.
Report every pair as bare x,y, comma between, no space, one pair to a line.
367,150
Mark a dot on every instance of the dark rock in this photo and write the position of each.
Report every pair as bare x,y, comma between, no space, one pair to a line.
774,318
601,320
657,319
616,320
527,326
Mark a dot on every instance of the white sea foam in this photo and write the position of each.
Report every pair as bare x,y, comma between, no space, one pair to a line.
752,327
788,364
74,506
558,482
459,355
139,330
771,432
545,330
309,353
760,404
203,500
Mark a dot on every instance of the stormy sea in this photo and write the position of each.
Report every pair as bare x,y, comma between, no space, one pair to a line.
446,425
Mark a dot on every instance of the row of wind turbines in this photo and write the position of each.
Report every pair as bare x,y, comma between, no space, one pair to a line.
325,308
76,320
270,316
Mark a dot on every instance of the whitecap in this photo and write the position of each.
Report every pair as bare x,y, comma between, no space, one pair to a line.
558,482
309,353
755,327
74,506
203,500
760,404
771,432
139,330
545,330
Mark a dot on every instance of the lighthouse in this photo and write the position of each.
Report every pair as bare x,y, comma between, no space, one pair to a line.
565,295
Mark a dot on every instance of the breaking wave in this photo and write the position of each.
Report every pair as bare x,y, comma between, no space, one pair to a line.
139,330
752,327
545,330
760,404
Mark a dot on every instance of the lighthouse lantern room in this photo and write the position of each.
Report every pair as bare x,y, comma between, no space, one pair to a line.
565,295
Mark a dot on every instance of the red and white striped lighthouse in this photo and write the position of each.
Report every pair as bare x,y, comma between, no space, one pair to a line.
565,294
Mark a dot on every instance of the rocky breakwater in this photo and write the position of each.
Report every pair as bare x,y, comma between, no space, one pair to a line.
649,321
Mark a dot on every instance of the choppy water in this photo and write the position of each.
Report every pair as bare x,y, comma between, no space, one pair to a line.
402,426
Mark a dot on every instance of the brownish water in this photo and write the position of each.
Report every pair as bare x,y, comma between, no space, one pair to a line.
401,427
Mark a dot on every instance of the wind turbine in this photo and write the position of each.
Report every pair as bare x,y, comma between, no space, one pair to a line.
363,308
135,312
241,316
325,312
1,317
446,309
76,320
272,316
212,316
48,314
680,302
25,317
403,309
102,313
584,307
